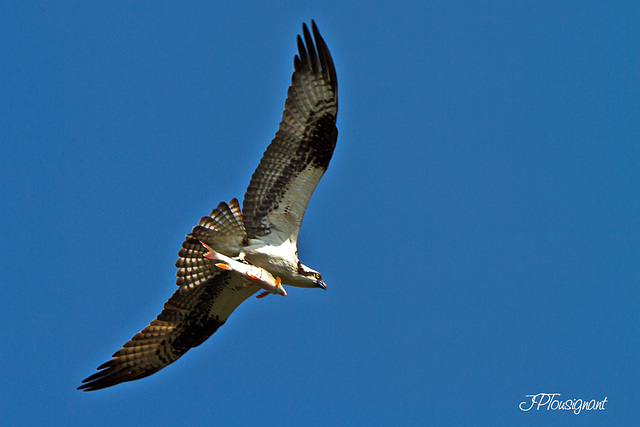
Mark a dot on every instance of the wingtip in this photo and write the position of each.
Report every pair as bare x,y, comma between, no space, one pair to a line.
315,31
87,387
321,51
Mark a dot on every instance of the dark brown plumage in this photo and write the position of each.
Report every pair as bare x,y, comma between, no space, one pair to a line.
307,130
287,174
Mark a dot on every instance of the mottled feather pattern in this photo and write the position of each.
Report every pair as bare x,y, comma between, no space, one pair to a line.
275,200
306,137
186,321
188,317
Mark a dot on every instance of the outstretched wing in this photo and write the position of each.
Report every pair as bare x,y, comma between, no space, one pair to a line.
296,159
206,298
186,321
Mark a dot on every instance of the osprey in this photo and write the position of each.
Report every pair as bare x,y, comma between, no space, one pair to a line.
262,235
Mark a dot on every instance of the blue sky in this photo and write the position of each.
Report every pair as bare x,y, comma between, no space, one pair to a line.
477,227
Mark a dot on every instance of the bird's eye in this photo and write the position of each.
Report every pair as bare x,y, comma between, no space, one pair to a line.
317,276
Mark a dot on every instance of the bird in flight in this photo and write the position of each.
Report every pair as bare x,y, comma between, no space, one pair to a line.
233,253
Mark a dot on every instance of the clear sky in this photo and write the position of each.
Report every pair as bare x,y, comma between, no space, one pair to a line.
477,227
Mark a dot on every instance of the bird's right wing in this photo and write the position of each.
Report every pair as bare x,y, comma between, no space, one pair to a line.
296,159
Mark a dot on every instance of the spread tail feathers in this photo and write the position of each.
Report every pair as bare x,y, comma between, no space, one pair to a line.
224,230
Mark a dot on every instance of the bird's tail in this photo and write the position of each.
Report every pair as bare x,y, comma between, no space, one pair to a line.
224,230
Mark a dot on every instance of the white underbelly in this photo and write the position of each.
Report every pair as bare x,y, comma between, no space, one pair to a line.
281,261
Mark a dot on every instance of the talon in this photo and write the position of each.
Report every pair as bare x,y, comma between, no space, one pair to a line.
246,285
223,266
262,294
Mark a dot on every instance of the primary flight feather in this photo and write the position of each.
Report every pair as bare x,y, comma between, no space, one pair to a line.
260,238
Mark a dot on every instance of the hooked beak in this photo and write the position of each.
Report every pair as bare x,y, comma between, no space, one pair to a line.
322,285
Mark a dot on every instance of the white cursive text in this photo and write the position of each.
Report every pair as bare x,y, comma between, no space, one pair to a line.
548,400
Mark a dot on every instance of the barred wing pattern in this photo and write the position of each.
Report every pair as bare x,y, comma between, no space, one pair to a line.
187,320
299,154
206,297
273,207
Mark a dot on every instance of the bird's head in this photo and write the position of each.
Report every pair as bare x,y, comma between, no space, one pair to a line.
309,278
319,282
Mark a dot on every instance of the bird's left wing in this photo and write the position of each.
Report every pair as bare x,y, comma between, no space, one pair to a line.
296,159
187,320
206,298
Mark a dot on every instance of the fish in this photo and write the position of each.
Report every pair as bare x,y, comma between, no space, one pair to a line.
256,276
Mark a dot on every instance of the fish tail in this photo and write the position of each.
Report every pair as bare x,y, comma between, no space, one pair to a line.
211,254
